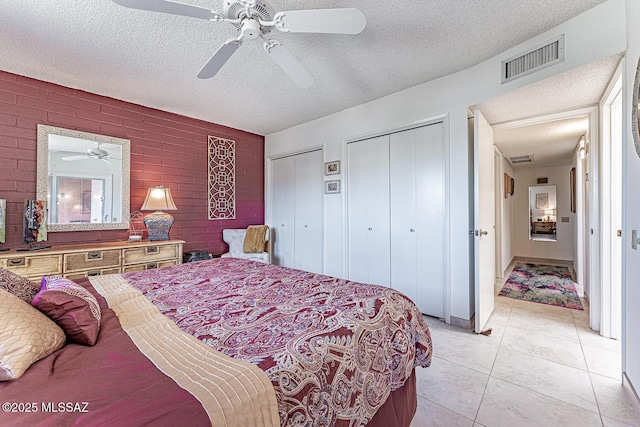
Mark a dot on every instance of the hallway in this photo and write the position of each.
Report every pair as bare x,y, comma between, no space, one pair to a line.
541,366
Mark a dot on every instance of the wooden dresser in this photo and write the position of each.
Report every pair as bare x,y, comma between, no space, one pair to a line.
544,227
92,259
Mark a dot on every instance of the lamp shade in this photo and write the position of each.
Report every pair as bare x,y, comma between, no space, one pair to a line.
158,199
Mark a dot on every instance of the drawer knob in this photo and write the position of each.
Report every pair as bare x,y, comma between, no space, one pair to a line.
94,255
151,250
93,273
152,265
16,262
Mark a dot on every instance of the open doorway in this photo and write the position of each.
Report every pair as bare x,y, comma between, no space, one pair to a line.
554,106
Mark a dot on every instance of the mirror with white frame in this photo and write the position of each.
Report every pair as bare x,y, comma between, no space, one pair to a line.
543,211
85,178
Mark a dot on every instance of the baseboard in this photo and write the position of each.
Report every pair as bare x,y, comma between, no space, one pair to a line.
625,379
462,323
563,262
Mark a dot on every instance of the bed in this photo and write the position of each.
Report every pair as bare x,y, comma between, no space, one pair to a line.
305,349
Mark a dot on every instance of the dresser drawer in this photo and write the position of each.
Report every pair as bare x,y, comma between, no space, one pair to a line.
91,260
147,254
30,266
149,265
91,273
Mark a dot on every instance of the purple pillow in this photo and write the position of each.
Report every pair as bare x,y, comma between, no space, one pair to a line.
71,307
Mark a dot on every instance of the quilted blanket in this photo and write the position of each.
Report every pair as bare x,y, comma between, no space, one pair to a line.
333,349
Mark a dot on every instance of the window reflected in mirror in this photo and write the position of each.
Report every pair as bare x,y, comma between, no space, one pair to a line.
543,213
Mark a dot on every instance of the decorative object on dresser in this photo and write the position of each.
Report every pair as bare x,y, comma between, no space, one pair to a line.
93,259
34,225
222,178
158,223
136,222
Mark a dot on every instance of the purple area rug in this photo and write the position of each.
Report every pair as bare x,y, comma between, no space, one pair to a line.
544,284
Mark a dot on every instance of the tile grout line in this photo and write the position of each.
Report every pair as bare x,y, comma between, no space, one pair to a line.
475,419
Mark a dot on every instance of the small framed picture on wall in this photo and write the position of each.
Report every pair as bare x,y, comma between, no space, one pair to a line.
332,187
332,168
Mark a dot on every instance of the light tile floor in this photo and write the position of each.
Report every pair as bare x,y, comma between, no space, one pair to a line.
541,366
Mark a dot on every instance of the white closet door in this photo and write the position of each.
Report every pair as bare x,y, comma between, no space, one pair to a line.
368,205
282,210
404,256
418,216
430,219
358,238
308,211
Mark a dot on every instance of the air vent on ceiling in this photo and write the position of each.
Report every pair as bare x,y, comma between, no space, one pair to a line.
535,59
527,158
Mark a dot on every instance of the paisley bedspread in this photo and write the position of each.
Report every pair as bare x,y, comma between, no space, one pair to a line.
333,349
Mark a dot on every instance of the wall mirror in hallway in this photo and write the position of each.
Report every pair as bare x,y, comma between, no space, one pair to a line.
542,213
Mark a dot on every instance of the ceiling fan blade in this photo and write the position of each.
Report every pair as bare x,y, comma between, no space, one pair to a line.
108,162
219,58
174,8
333,21
288,63
73,158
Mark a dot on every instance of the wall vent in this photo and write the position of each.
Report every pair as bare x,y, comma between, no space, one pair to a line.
535,59
527,158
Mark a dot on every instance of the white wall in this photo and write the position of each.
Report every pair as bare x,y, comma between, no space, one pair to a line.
631,208
596,34
523,247
508,226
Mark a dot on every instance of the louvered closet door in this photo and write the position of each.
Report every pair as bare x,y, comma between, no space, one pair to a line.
368,210
417,172
282,210
309,192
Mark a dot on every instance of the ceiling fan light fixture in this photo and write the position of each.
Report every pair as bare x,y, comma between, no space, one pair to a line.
256,18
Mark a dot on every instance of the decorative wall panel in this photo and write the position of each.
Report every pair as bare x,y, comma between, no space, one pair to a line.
222,178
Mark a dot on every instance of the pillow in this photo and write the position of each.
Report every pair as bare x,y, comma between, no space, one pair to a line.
71,306
26,335
254,239
23,288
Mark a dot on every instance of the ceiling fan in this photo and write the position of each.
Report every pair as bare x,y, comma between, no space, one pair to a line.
92,153
256,18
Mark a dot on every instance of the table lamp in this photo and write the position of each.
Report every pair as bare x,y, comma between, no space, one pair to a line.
158,223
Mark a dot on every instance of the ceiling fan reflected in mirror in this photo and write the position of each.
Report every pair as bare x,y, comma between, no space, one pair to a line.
256,18
92,153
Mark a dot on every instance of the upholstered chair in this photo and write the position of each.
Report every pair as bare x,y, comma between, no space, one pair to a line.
235,239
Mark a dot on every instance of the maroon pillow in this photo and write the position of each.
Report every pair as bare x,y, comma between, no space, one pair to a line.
23,288
71,307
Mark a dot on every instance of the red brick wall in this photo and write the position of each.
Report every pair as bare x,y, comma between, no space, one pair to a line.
166,149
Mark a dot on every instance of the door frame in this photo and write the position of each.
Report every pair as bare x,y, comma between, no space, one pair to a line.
607,239
441,118
499,202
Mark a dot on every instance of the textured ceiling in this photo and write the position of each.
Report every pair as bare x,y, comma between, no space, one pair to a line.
152,59
551,143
